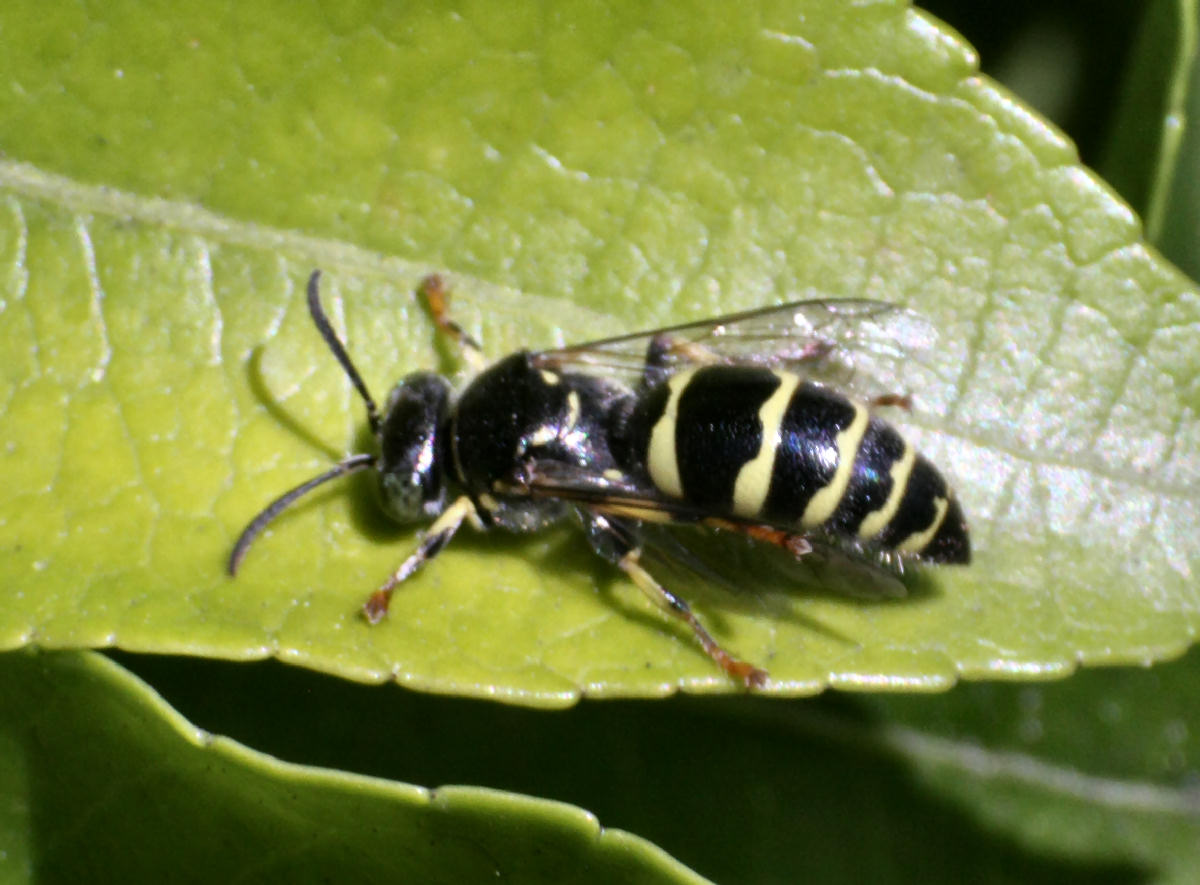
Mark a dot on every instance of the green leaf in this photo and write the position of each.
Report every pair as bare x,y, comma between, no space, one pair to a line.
580,169
1142,160
1085,780
105,782
1098,771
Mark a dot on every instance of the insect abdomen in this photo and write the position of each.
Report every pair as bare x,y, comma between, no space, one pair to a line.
766,445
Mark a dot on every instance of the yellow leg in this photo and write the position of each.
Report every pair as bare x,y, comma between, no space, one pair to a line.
435,539
752,676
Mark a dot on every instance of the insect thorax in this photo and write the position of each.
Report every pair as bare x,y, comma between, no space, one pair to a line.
515,414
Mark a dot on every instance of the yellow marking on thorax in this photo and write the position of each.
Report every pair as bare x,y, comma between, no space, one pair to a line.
543,436
574,410
548,377
876,521
918,541
822,505
754,479
548,433
661,459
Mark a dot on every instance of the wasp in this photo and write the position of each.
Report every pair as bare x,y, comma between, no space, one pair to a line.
760,422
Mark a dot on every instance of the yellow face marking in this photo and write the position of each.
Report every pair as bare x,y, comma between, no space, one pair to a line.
613,474
488,502
822,505
661,459
876,521
754,479
549,377
917,541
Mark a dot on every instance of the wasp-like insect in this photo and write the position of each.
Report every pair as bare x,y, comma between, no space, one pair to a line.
729,423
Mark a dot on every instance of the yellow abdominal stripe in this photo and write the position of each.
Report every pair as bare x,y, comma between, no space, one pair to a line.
823,504
661,459
876,521
753,483
754,479
920,540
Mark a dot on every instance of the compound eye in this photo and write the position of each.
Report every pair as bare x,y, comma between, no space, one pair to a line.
411,479
404,497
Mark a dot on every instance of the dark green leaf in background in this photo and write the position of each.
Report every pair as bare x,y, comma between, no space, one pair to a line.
1142,159
148,792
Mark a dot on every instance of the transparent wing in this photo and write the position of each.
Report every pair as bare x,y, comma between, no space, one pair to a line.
844,568
617,496
856,344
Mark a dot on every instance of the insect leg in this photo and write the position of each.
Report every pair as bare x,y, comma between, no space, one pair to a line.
664,353
614,540
435,539
899,400
669,602
795,544
433,290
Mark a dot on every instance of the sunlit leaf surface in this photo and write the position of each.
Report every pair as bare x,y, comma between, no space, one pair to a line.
575,170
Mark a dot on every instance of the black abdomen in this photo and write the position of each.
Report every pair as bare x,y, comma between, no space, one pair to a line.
767,445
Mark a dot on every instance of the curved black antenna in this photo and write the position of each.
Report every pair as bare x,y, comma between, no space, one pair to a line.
335,344
353,464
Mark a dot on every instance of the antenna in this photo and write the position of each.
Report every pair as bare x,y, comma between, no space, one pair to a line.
335,344
353,464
